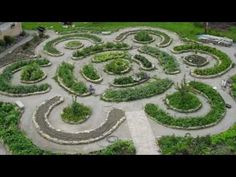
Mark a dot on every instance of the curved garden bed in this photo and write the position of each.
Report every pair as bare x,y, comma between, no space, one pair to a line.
40,119
91,74
109,55
233,87
166,40
118,66
183,102
67,80
224,61
195,60
76,113
109,46
8,89
143,37
214,116
50,49
151,88
144,63
72,45
129,81
13,138
32,74
168,62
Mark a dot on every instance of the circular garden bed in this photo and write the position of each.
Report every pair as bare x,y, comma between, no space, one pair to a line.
143,37
118,66
76,113
73,45
196,60
183,102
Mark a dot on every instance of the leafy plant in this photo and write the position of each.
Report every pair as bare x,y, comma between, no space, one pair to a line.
142,36
110,55
32,72
117,66
136,78
90,72
145,62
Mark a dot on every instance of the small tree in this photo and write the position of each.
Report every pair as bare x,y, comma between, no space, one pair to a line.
74,105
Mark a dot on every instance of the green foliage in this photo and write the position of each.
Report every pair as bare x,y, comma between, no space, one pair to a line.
142,36
49,47
31,72
72,44
110,55
118,148
100,48
65,72
151,88
183,101
217,110
223,65
5,77
167,61
233,86
220,144
90,72
117,66
136,78
145,62
76,113
16,140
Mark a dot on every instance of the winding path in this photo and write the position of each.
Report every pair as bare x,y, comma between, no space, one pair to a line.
134,125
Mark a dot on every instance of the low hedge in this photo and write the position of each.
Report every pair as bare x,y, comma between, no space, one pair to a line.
32,72
168,62
99,48
50,46
185,102
143,36
165,42
91,73
151,88
146,64
233,86
224,60
118,66
5,78
219,144
16,140
65,73
76,113
120,147
216,113
137,78
110,55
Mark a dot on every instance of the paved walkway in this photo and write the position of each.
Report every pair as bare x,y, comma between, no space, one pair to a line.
141,132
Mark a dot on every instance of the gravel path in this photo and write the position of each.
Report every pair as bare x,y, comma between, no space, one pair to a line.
101,108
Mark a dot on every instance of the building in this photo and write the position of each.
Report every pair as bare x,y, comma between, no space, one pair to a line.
10,29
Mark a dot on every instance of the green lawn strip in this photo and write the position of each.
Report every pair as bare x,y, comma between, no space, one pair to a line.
216,113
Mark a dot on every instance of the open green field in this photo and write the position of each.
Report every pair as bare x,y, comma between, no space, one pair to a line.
184,29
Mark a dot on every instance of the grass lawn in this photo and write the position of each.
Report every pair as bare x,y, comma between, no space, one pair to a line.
184,29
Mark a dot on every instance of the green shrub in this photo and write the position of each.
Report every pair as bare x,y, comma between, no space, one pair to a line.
117,66
72,44
216,114
105,56
32,72
76,113
5,77
136,78
65,72
16,140
100,48
118,148
151,88
145,62
223,65
167,61
142,36
90,72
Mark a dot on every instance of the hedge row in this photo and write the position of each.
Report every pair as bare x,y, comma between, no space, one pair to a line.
216,113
